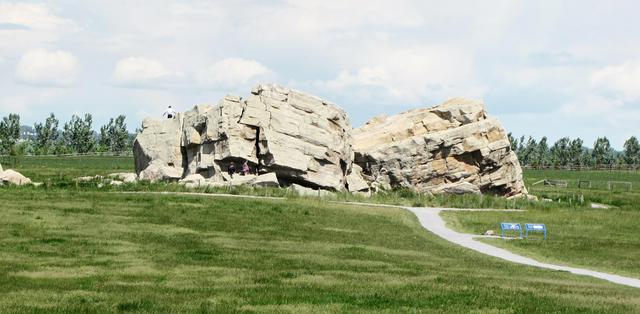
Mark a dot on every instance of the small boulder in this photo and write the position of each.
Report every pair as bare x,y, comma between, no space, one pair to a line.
489,233
355,182
13,177
193,179
156,172
457,188
87,178
305,191
126,177
116,183
266,180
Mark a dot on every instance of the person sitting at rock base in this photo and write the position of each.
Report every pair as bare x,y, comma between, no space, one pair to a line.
245,168
232,169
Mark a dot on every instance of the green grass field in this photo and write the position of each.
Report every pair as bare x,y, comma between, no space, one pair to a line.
64,251
39,168
67,248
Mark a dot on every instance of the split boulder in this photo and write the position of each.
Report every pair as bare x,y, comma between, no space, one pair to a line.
451,148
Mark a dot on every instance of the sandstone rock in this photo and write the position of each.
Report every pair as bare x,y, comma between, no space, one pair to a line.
266,180
87,178
157,171
126,177
196,179
457,188
13,177
451,148
240,180
305,191
159,143
355,182
301,138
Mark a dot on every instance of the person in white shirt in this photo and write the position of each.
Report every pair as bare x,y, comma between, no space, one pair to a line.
169,113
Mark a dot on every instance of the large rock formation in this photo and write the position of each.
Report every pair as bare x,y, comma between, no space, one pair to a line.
307,141
450,148
301,138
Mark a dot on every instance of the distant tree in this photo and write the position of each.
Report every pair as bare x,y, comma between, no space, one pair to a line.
631,153
542,156
9,133
513,141
575,152
527,153
104,141
602,153
46,135
77,134
114,135
586,158
560,152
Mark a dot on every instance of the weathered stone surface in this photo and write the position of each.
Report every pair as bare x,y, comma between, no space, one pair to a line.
157,171
266,180
13,177
159,143
301,138
450,148
305,191
126,177
194,179
355,181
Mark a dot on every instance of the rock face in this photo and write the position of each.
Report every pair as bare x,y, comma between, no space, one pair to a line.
300,138
451,148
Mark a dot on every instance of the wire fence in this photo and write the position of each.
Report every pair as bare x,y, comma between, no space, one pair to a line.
93,154
619,167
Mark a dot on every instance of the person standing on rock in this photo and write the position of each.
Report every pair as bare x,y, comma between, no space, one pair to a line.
169,113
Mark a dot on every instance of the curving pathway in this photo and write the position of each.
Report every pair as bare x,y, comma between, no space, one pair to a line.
430,219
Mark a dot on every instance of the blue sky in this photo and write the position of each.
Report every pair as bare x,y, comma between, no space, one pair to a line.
545,68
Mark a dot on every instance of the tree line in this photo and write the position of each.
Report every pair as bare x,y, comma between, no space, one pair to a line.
572,152
75,136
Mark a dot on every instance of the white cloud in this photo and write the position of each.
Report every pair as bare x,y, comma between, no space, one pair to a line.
30,26
623,79
142,72
42,67
411,75
231,73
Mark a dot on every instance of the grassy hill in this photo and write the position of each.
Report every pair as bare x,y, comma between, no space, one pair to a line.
88,251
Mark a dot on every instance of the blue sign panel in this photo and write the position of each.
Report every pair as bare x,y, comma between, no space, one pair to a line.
510,226
535,228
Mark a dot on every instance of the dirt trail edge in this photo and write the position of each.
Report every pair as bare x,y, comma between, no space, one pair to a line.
430,219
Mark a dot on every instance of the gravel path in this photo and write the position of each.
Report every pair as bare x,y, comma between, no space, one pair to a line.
431,220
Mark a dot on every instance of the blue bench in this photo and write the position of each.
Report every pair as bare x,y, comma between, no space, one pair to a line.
535,228
510,226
